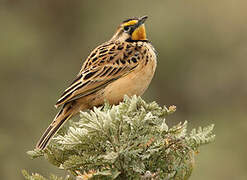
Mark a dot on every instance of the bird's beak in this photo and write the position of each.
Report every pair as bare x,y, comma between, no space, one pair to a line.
140,32
141,20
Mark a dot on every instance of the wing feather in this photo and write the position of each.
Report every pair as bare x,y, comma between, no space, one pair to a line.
96,74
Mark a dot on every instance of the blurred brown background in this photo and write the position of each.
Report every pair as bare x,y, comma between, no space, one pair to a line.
202,47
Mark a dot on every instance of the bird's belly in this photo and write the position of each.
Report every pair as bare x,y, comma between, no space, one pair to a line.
135,83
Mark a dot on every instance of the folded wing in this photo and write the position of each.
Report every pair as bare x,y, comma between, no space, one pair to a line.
98,71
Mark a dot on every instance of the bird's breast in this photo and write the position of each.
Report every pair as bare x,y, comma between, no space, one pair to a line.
135,82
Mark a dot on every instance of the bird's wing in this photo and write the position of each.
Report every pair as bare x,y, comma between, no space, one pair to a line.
104,65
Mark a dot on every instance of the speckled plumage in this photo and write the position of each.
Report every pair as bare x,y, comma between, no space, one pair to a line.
123,65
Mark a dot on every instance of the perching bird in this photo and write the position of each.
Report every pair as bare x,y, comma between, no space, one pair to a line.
123,65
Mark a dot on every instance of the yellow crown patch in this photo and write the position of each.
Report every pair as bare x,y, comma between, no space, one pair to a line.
131,22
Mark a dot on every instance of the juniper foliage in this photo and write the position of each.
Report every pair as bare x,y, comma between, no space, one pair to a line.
127,141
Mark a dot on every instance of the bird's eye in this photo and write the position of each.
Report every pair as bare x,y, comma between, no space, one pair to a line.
126,28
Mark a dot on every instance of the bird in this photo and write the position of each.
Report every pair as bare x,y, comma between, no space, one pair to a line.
124,65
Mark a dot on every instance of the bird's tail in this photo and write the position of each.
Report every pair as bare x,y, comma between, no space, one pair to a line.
63,115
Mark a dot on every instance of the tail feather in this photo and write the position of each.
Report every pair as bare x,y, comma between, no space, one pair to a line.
63,115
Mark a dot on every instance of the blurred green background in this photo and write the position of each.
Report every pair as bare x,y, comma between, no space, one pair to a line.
202,47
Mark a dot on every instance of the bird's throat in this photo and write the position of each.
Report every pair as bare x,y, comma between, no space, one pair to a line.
139,33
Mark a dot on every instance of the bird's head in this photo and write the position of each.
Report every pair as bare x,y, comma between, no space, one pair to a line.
131,30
